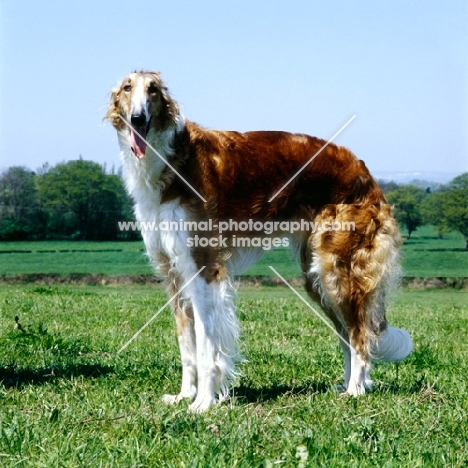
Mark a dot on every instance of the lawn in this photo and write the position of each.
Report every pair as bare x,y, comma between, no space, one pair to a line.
423,255
65,258
68,400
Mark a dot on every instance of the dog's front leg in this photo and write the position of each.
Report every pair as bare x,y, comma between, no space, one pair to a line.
207,370
183,312
187,347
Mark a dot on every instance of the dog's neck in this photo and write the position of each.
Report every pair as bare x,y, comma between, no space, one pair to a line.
143,177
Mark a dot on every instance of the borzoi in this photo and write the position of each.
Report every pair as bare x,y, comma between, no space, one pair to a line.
179,172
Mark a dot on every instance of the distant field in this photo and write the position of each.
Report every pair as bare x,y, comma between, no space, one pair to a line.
68,400
423,255
427,255
109,258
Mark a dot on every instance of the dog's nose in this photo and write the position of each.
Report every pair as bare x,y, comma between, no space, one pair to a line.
138,120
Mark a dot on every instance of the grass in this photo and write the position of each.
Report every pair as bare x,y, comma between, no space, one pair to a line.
66,257
68,400
423,255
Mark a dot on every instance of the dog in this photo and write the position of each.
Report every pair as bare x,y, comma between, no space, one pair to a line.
178,172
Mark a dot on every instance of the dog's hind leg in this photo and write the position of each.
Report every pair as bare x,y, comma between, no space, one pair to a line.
353,271
341,329
312,291
357,367
330,289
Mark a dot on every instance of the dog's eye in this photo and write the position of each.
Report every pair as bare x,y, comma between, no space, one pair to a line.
152,89
127,88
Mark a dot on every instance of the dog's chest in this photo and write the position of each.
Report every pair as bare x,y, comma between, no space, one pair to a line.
165,233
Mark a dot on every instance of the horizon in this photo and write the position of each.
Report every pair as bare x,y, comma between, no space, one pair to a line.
400,177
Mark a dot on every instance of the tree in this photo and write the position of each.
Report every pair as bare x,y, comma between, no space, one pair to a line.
387,186
18,203
456,205
433,211
75,186
114,205
406,200
69,200
82,198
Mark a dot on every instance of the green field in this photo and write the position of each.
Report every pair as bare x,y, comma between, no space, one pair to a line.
423,255
65,257
69,401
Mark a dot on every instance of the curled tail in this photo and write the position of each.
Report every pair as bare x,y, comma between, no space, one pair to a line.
378,278
357,271
354,271
393,344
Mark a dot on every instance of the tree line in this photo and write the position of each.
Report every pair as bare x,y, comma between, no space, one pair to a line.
80,200
71,200
446,208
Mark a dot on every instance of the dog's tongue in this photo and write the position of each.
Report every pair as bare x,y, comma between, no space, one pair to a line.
137,143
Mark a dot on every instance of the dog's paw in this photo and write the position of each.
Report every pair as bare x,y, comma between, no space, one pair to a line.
201,404
173,399
355,389
188,393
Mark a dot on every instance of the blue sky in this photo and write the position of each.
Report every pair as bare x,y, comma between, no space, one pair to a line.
400,66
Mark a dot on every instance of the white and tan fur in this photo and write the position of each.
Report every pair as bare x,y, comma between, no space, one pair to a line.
349,273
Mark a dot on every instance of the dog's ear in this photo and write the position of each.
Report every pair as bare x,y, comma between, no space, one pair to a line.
113,110
157,77
172,109
170,106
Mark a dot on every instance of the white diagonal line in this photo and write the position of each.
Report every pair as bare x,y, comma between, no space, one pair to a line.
157,154
312,158
311,308
161,309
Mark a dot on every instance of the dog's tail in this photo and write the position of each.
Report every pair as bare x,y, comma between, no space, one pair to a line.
393,344
355,271
380,278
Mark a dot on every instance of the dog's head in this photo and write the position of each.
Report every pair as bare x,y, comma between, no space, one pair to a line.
143,101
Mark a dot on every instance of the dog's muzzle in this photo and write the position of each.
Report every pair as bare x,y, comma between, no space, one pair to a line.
138,132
